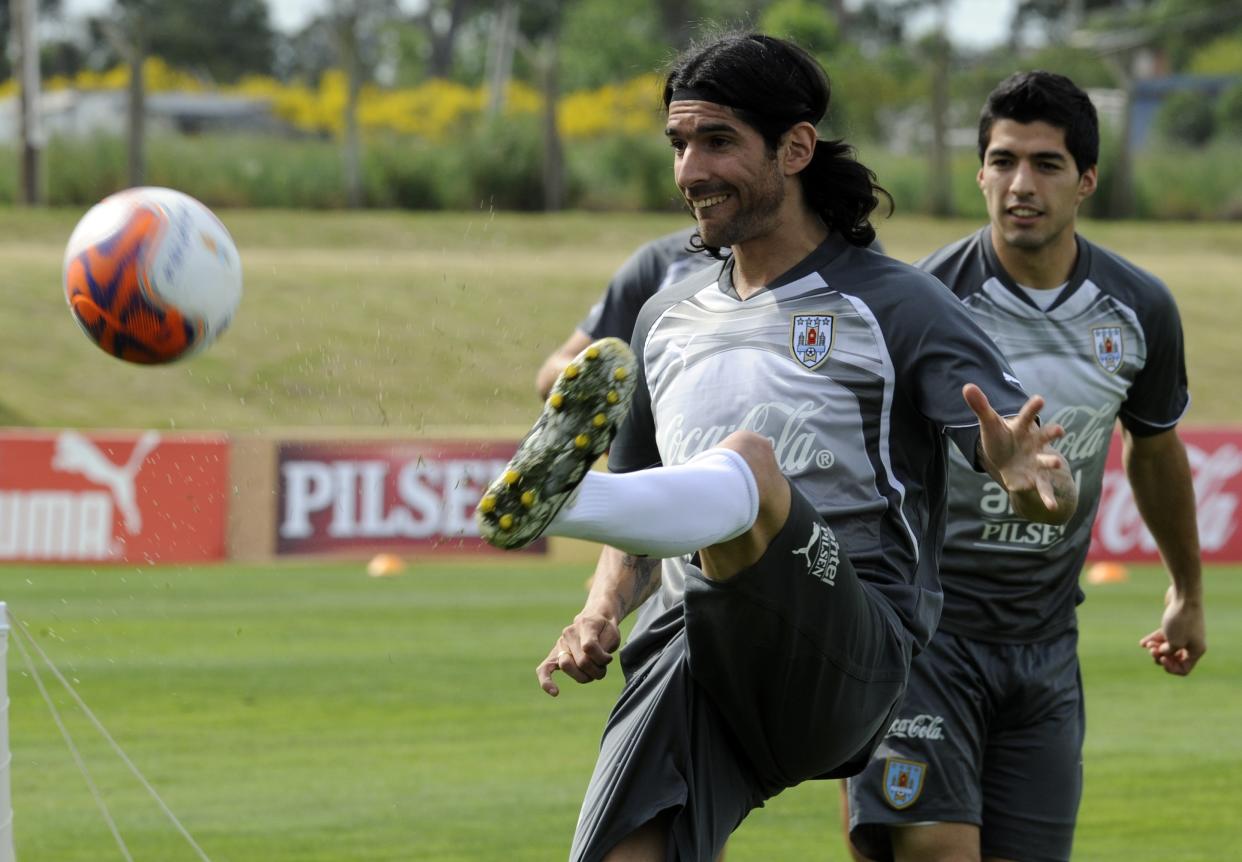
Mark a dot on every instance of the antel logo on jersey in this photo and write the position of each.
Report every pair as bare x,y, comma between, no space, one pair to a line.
336,496
794,443
822,554
922,726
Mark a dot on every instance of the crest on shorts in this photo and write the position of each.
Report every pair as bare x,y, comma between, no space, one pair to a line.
810,339
1108,347
903,781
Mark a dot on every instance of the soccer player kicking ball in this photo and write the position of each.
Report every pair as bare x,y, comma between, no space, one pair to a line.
984,759
782,453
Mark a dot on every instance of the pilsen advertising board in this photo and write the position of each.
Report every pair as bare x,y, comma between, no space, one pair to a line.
420,495
137,497
406,495
1216,466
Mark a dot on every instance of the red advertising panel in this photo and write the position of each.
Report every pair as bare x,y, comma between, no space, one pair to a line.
136,497
399,495
1216,464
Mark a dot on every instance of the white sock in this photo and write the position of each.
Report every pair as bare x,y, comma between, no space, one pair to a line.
666,511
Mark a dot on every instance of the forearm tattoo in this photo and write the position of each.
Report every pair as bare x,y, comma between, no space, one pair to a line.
644,580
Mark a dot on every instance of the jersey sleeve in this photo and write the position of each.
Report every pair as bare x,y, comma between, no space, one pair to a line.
631,285
1159,394
949,351
634,447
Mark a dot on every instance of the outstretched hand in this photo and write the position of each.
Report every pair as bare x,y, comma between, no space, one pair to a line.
1180,641
1017,452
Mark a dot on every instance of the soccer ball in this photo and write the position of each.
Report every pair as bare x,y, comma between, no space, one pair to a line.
151,275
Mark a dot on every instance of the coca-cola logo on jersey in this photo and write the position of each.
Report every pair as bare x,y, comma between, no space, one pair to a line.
793,440
338,496
1216,467
922,726
1087,431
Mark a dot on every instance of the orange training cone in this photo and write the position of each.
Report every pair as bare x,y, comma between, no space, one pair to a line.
1107,573
385,566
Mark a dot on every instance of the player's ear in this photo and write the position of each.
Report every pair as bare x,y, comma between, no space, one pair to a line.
797,147
1087,183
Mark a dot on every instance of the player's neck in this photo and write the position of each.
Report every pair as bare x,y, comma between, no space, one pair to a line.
1042,268
760,261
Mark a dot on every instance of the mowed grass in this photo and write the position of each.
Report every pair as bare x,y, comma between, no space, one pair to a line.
408,321
311,714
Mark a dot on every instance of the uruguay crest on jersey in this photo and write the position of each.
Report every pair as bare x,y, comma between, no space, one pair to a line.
811,338
1108,347
903,781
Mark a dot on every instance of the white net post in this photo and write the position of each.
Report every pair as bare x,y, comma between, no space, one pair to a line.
6,756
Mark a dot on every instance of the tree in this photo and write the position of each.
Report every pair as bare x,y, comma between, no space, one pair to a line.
47,8
807,23
636,43
1135,41
442,20
221,40
357,24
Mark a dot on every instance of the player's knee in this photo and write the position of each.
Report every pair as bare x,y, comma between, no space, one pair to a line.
771,486
757,451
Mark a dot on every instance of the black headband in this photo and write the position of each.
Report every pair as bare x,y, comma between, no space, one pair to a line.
711,94
698,94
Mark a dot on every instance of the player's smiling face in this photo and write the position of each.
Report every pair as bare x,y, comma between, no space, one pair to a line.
729,178
1031,184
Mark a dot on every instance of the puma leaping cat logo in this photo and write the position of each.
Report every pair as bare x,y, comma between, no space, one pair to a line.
76,454
816,532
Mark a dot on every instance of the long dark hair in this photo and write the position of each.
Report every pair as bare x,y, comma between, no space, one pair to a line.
772,84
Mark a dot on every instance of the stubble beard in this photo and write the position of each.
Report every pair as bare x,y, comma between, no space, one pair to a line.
757,219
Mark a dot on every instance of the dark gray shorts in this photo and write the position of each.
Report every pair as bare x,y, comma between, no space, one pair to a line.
990,734
788,672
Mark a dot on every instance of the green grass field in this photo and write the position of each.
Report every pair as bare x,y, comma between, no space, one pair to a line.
311,713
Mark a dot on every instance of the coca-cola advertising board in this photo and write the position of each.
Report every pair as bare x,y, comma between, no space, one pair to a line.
398,495
125,497
1216,466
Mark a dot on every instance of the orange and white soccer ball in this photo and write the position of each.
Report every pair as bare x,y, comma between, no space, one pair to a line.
151,275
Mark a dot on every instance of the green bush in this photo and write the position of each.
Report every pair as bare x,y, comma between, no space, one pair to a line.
631,172
1170,186
503,165
504,170
1186,118
1229,113
905,177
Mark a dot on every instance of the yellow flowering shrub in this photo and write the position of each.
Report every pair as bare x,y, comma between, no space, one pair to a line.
432,110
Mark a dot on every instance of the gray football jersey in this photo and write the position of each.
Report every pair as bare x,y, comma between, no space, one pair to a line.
1110,347
852,365
654,266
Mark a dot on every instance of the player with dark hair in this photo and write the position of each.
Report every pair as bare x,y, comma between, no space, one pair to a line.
783,452
984,758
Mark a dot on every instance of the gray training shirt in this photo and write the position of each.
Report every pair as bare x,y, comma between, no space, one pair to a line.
852,364
1109,347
